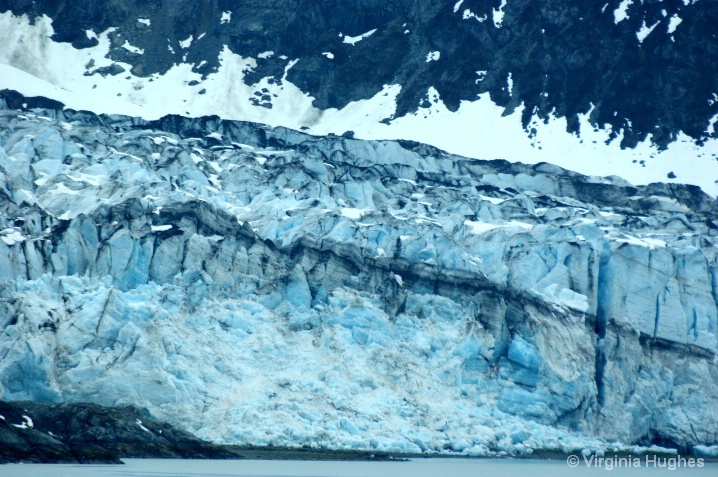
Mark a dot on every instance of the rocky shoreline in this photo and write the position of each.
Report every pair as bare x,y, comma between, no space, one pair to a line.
84,433
90,434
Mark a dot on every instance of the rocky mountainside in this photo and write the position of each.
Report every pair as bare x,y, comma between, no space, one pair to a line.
625,87
259,285
644,67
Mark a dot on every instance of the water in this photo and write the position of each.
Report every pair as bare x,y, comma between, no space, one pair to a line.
413,468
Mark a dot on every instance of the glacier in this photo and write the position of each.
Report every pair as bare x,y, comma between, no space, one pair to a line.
255,284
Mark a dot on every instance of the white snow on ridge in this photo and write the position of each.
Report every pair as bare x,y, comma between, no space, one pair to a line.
352,40
36,66
226,17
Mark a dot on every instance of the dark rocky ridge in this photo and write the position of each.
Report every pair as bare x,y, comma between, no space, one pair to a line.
564,57
88,433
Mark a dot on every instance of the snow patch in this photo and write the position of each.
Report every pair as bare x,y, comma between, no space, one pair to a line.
673,23
645,31
226,17
621,13
139,423
433,56
352,213
132,49
353,40
184,44
499,14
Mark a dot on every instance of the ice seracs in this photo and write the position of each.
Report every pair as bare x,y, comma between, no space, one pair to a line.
262,285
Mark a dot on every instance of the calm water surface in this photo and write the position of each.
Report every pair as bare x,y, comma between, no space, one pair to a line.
414,468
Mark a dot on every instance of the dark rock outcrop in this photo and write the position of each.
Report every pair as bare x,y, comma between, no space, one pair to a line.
88,433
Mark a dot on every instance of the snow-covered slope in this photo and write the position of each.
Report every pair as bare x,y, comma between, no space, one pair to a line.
626,119
255,284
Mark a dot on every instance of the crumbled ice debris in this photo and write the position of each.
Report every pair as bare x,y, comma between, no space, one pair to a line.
226,17
398,279
706,451
132,49
144,21
11,236
352,213
458,5
356,39
479,227
162,139
265,54
645,31
160,228
328,54
673,23
433,56
139,423
567,298
499,14
186,43
621,13
493,200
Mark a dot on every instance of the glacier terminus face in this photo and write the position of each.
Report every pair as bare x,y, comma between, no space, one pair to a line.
259,285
